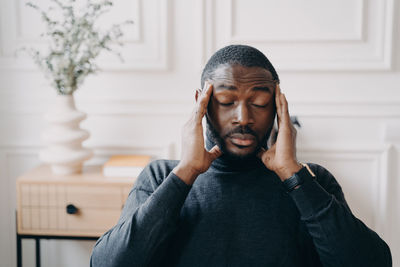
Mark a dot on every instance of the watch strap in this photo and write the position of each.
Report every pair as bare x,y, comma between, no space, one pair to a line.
298,178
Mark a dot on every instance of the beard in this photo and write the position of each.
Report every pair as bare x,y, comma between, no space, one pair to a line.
219,140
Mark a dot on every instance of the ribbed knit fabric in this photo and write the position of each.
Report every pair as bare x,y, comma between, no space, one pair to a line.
237,214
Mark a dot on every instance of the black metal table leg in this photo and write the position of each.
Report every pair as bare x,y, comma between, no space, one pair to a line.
37,244
37,240
19,251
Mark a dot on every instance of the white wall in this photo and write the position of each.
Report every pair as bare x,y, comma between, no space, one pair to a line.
338,64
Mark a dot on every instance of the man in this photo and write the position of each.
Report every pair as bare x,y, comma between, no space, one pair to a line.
238,202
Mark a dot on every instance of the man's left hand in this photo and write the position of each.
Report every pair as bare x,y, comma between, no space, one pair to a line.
281,157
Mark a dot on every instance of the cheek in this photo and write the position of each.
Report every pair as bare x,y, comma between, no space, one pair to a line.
264,120
220,117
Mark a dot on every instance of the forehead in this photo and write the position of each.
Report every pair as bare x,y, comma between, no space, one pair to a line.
237,73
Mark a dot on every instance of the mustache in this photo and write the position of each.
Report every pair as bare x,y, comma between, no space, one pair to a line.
241,130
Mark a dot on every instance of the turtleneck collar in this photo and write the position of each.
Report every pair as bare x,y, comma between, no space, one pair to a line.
224,163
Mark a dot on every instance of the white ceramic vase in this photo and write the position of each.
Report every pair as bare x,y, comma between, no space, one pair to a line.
64,137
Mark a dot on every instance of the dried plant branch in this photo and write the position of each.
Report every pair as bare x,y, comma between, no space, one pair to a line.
75,42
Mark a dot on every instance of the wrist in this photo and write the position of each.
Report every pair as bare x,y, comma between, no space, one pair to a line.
297,179
187,174
290,169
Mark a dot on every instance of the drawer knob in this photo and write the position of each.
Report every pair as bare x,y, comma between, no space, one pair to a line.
71,209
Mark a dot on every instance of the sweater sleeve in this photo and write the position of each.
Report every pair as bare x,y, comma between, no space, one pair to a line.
339,237
149,217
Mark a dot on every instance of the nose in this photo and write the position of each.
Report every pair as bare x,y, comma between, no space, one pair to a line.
242,115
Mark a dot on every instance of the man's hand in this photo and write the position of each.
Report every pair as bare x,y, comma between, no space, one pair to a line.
195,159
281,157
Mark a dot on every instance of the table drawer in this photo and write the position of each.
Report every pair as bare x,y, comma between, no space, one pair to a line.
95,196
92,220
43,208
56,221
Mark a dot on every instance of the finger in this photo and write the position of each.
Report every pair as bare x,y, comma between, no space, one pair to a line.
205,86
203,103
285,109
204,90
261,152
267,156
272,137
198,94
277,89
201,92
287,119
215,152
278,103
195,108
277,95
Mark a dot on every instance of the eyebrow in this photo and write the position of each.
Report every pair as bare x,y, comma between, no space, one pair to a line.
232,88
262,88
226,87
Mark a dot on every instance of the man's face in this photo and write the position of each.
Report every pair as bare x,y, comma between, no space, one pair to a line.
241,109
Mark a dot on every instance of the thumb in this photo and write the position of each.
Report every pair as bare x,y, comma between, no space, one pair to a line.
214,153
267,155
261,152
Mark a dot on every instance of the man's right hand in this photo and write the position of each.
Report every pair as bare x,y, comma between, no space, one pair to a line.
195,159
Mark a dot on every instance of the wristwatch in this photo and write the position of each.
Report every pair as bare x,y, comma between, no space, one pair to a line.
298,178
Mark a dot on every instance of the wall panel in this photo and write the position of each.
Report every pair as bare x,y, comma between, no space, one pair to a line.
145,44
334,58
339,35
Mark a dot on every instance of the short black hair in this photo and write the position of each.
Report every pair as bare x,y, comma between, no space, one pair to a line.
244,55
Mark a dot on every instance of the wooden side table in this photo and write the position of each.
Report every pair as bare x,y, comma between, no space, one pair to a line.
80,206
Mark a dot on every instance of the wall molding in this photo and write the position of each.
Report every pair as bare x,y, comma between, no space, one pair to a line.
136,37
360,36
379,156
173,107
146,50
285,53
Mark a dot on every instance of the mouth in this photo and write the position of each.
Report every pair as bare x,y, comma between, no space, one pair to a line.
242,140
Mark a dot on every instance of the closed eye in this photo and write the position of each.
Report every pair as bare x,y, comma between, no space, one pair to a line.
260,106
226,104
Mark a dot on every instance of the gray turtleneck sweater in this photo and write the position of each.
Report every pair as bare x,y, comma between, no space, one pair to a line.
237,214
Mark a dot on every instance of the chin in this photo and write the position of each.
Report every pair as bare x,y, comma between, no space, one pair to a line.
240,153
